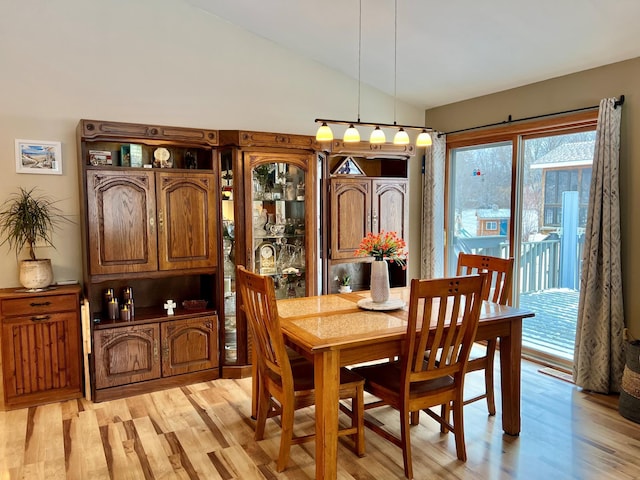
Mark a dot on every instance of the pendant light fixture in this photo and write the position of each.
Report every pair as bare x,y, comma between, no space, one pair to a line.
324,133
377,136
351,134
424,139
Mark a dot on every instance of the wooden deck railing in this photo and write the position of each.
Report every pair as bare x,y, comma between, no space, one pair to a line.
539,262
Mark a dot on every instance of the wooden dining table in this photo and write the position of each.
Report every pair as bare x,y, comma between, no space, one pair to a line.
333,331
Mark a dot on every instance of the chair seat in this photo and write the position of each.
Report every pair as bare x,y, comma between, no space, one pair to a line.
303,377
388,376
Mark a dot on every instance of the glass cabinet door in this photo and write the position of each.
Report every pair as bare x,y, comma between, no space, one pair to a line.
269,214
228,257
278,226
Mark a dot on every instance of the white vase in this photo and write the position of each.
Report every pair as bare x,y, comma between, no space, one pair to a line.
379,281
344,289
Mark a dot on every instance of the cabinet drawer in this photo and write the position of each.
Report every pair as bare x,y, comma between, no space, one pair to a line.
39,304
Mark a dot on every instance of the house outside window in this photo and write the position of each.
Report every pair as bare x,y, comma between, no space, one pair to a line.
566,168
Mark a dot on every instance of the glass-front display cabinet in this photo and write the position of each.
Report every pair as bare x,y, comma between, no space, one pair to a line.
269,215
278,226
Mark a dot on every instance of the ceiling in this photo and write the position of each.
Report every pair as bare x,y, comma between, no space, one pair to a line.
449,50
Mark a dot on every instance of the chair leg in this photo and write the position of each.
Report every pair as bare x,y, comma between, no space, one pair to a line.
263,405
286,417
458,429
445,413
357,420
255,386
415,417
405,433
488,377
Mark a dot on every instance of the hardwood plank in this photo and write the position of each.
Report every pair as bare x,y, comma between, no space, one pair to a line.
205,431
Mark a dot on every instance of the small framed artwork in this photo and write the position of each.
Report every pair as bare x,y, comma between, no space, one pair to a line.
37,156
100,157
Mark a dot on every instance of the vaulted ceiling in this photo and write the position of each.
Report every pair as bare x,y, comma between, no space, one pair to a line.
448,50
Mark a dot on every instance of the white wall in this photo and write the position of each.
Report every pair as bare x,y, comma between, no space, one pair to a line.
152,61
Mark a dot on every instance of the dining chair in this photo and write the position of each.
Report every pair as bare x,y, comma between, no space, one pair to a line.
285,385
443,315
497,290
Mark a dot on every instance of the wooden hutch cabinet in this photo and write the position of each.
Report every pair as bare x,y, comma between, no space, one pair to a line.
366,191
150,222
41,360
269,209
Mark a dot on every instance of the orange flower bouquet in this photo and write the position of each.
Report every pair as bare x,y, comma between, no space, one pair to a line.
384,245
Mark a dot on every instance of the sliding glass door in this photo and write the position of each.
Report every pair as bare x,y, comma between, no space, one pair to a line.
527,198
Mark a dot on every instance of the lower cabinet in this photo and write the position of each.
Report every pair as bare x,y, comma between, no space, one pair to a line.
41,359
131,359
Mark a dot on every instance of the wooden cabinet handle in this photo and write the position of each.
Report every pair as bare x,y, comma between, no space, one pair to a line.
40,318
155,350
40,304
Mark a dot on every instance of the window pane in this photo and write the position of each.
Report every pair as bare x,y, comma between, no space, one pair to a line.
550,254
480,197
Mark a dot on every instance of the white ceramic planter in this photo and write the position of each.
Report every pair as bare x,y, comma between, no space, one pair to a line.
35,274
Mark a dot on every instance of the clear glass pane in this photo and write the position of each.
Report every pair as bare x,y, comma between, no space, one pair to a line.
228,251
556,179
480,202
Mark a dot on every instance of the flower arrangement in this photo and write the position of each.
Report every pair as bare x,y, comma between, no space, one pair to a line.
344,281
384,245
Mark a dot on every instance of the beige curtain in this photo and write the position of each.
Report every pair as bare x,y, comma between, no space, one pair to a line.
598,356
432,231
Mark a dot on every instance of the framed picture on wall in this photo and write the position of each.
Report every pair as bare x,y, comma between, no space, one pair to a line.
38,156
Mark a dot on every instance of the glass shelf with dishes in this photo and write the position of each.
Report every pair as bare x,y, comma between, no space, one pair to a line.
278,226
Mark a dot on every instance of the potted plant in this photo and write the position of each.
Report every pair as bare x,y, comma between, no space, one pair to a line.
25,220
344,284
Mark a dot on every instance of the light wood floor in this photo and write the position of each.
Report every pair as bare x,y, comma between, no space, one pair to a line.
204,432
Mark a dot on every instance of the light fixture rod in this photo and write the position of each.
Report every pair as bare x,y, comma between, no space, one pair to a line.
367,124
395,60
359,52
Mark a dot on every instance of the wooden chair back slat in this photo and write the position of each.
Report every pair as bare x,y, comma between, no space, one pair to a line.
499,286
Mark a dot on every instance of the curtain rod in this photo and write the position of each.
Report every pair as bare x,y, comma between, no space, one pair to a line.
616,104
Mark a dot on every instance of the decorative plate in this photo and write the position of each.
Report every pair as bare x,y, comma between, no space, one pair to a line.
391,304
162,158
